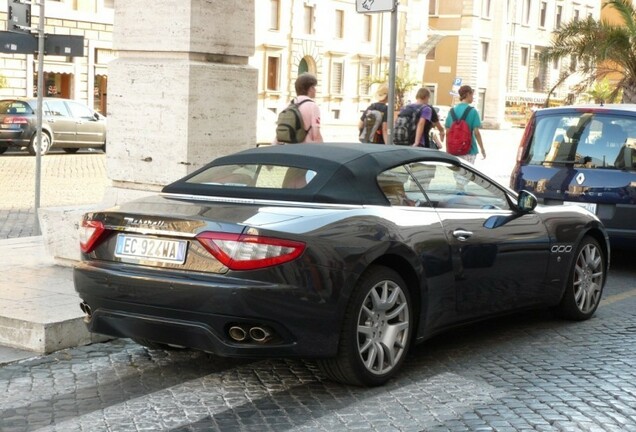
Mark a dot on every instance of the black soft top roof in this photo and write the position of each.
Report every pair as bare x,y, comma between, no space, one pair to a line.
345,173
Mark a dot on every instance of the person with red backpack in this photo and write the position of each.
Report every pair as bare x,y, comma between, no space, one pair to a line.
463,112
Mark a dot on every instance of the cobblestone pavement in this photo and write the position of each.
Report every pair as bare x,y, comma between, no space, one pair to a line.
66,180
529,372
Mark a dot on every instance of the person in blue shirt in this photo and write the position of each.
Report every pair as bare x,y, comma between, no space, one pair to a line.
466,96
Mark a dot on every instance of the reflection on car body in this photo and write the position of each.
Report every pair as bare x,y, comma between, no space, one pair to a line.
346,253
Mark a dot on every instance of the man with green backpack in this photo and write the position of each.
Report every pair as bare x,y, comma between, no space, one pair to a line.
299,122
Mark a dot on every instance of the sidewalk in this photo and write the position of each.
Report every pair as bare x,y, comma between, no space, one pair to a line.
39,309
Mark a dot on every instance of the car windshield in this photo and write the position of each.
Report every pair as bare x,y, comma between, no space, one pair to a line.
591,140
255,175
15,107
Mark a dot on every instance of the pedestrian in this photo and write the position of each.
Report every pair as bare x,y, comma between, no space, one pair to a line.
466,96
379,136
427,120
306,90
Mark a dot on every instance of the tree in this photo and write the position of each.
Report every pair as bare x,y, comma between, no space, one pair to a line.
601,48
403,83
603,92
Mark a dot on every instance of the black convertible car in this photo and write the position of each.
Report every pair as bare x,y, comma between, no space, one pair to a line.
347,253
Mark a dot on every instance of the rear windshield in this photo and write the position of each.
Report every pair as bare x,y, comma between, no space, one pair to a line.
255,175
15,107
591,140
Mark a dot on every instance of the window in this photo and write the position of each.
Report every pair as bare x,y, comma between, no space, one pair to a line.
484,51
274,19
558,17
576,16
430,55
78,110
337,70
555,63
339,24
524,56
440,185
367,28
256,175
542,14
527,7
309,19
485,8
273,66
573,63
432,7
365,73
598,141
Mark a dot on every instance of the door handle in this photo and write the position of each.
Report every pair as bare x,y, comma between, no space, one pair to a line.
462,235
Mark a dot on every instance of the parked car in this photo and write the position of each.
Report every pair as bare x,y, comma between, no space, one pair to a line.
584,156
347,253
66,124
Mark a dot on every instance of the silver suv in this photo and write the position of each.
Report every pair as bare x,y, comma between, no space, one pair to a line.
66,124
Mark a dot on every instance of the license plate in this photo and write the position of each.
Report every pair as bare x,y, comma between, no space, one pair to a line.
591,207
151,248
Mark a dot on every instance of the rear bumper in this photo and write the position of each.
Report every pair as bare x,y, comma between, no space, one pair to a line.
197,311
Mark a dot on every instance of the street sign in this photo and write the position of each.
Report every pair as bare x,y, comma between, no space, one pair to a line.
368,6
457,83
64,45
18,43
19,16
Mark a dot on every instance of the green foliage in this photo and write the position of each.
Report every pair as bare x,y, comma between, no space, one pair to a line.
603,92
404,82
600,48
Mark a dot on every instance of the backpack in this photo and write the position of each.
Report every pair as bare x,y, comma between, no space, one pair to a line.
289,127
371,122
459,137
406,123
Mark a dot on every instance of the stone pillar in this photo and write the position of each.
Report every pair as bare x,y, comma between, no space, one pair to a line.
180,93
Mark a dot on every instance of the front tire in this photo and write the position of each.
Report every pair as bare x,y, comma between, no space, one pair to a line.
376,331
585,283
46,144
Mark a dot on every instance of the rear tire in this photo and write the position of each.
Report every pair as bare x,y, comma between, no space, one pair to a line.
46,144
585,283
376,331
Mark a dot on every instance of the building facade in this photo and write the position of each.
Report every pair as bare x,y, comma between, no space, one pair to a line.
495,46
82,78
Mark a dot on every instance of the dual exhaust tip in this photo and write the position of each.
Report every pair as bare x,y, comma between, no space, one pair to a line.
258,334
86,309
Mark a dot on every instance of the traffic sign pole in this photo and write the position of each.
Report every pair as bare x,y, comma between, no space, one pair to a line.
392,60
38,151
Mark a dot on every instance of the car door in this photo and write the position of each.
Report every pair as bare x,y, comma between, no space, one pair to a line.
60,122
500,255
89,131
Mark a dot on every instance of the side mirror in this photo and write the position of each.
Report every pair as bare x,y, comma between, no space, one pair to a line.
526,201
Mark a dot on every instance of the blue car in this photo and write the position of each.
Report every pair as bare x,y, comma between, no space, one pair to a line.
583,156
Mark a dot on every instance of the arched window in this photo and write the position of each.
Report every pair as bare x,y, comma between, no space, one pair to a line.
303,67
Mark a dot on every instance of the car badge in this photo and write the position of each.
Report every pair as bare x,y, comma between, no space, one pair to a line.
580,178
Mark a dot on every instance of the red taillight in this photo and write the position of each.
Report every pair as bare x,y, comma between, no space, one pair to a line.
15,120
89,233
249,252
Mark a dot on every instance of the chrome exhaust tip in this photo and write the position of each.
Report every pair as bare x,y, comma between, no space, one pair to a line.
237,333
260,334
86,309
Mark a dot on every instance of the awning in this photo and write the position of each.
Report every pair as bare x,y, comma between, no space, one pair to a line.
61,68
